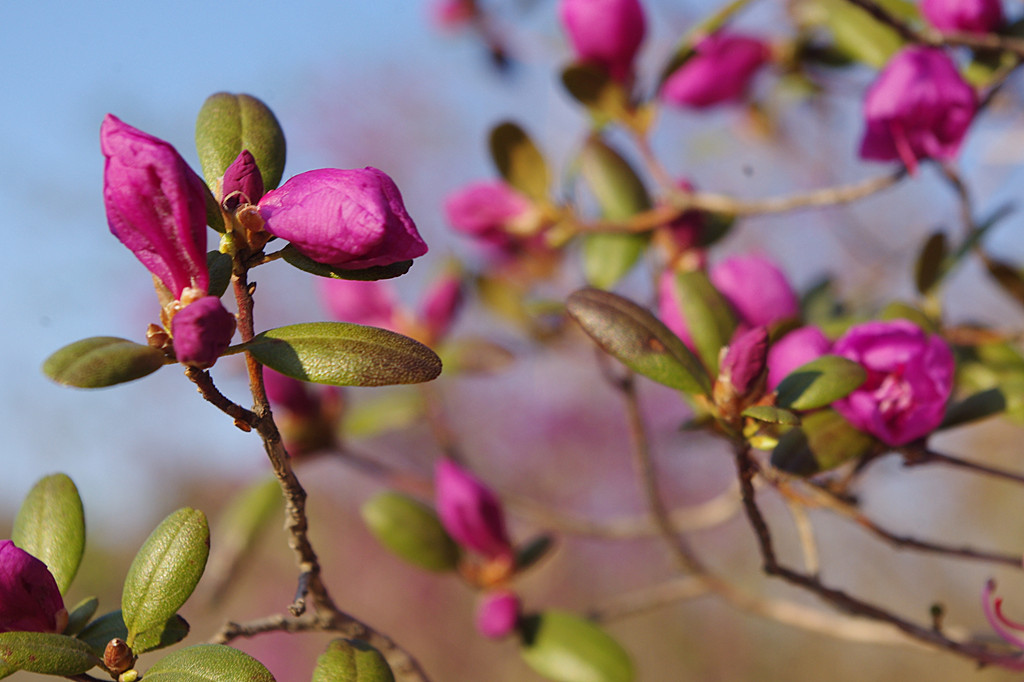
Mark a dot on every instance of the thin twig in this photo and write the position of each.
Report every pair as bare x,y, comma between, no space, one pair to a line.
924,455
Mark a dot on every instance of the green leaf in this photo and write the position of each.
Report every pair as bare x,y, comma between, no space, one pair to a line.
377,414
102,361
709,317
618,189
823,441
219,265
350,660
411,530
110,625
214,216
80,614
51,527
593,88
208,663
45,653
303,262
639,340
980,405
820,382
857,33
165,572
229,123
519,161
1008,277
344,354
900,310
566,648
529,553
609,256
928,271
770,414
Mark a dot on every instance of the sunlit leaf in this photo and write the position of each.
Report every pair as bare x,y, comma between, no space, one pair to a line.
519,161
51,527
566,648
709,317
349,660
102,361
411,530
823,441
227,124
770,414
45,653
208,663
820,382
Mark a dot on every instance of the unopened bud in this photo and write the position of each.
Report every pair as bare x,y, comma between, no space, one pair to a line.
118,656
742,376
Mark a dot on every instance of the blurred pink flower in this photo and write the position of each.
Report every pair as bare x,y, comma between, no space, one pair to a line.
348,219
971,16
440,306
290,394
485,210
910,378
451,14
919,107
470,511
793,350
719,71
29,598
1004,627
498,614
201,331
607,33
687,230
368,303
757,289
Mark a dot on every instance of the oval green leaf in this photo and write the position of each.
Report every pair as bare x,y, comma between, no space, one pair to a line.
110,625
709,317
219,265
102,361
820,382
769,414
609,256
566,648
165,572
639,340
618,189
930,266
45,653
349,660
208,663
824,441
79,615
529,553
292,256
51,527
411,530
343,354
975,407
519,161
858,34
227,124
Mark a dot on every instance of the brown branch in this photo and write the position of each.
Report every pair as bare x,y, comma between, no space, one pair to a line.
923,455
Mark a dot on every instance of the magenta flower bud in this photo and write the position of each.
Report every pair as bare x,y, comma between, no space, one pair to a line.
498,614
470,511
156,205
686,230
29,598
485,210
202,331
441,304
349,219
243,182
794,350
918,108
742,368
910,378
290,394
757,289
607,33
971,16
719,71
369,303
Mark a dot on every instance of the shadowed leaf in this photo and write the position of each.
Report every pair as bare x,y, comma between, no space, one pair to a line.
102,361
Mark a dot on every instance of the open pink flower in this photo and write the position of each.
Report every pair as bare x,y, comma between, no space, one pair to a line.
29,598
470,511
794,350
919,107
607,33
348,219
971,16
719,71
910,378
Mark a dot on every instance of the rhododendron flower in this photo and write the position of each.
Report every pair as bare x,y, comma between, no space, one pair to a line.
498,614
794,350
470,511
971,16
370,303
29,598
607,33
349,219
486,210
202,330
719,71
910,378
919,107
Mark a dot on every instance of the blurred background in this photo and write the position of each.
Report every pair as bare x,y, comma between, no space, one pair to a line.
385,84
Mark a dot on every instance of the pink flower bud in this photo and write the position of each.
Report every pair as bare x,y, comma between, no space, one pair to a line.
756,288
719,71
485,210
29,598
742,368
290,394
607,33
202,331
452,14
156,205
971,16
918,108
498,614
369,303
686,230
910,378
794,350
348,219
441,304
243,182
470,512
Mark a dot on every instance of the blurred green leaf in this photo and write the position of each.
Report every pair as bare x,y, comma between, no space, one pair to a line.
928,271
229,123
164,572
208,663
219,265
1008,277
51,527
823,441
770,414
533,551
900,310
349,660
639,340
857,33
709,317
411,530
475,355
820,382
377,414
343,354
45,653
519,161
102,361
79,615
566,648
303,262
618,189
609,256
975,407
